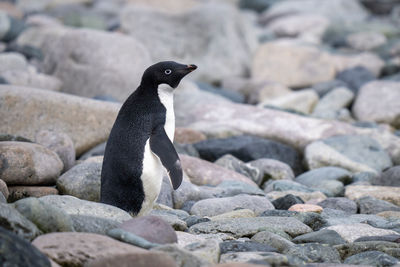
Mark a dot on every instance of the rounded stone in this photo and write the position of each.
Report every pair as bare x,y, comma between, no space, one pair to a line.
20,192
4,189
306,208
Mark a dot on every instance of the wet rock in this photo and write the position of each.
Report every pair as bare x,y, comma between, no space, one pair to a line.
87,122
387,193
82,181
323,236
20,192
13,221
216,206
28,164
351,232
284,203
375,258
274,240
371,205
16,251
339,203
314,252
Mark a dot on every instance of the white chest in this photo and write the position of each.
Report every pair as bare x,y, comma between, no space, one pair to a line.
165,93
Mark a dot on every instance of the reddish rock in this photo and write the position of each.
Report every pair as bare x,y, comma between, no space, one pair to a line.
151,228
202,172
188,136
19,192
306,208
78,249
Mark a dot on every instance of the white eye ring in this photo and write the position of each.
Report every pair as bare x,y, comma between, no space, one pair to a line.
168,71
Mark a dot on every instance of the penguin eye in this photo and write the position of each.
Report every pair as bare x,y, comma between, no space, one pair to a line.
168,71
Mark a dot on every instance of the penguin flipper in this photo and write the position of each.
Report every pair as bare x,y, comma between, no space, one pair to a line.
164,149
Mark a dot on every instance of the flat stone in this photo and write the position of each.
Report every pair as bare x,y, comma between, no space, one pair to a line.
388,238
351,232
70,59
339,203
285,185
82,181
182,257
46,216
16,251
217,206
130,238
375,258
305,196
233,188
74,206
151,228
350,249
78,249
60,143
389,177
323,236
274,240
201,172
240,246
249,226
352,152
315,253
13,221
272,169
386,110
208,250
265,258
56,111
306,208
387,193
240,213
20,192
93,224
25,163
127,259
371,205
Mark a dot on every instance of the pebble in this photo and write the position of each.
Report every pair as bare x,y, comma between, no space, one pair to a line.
287,201
371,205
276,241
340,203
306,208
333,101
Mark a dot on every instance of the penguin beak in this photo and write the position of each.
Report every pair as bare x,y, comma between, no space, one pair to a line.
191,67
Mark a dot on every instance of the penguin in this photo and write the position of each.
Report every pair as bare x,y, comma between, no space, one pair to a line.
140,145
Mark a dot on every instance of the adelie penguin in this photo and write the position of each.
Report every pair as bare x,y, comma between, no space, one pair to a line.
140,142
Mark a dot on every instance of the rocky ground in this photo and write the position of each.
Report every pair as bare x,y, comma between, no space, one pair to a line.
288,132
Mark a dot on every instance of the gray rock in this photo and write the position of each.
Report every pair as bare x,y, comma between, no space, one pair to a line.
16,251
231,37
263,258
351,232
193,219
325,87
249,226
333,101
232,163
375,258
339,217
165,197
60,143
186,149
46,217
352,152
350,249
323,236
82,181
131,238
182,257
190,192
339,203
285,186
314,252
365,178
12,61
93,224
229,94
387,193
98,150
284,203
4,24
371,205
240,246
256,5
233,188
271,169
207,248
389,177
178,223
12,220
28,164
4,189
32,79
274,240
74,206
2,198
364,41
355,77
388,238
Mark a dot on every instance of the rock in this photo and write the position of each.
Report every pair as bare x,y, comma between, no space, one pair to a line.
201,172
204,115
249,226
364,178
127,259
12,61
389,177
388,238
46,217
2,198
355,77
337,217
32,79
333,101
384,111
306,27
97,151
190,192
16,251
274,240
20,192
232,163
188,136
375,258
371,205
256,5
292,64
93,224
315,253
229,32
302,101
366,60
13,221
233,188
350,249
58,112
323,236
240,246
229,94
82,181
284,203
217,206
389,214
284,185
4,189
379,7
239,213
60,143
165,197
265,258
182,257
186,149
306,208
205,248
193,219
272,169
339,203
172,219
151,228
78,249
387,193
28,164
249,148
69,57
74,206
325,87
364,41
130,238
305,196
352,152
351,232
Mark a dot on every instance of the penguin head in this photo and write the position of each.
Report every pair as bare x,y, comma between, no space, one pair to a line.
167,72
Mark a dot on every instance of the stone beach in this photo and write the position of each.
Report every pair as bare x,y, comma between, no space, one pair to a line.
288,132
